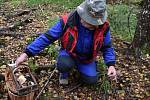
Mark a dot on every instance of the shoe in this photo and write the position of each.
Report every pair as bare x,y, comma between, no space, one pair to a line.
63,78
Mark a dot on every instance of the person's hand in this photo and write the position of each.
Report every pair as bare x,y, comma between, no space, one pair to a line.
22,58
112,73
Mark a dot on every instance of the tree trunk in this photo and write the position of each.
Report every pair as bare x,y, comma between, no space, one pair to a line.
142,33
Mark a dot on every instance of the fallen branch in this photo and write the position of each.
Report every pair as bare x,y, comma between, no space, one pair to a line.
22,22
20,13
49,79
127,43
11,34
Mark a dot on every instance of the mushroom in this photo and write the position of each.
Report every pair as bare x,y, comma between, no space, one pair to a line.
21,79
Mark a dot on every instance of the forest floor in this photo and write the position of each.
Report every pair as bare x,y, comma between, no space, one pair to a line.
18,25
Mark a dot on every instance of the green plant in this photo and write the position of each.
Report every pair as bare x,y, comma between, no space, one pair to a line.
146,49
63,3
52,51
1,1
31,38
105,84
32,64
51,22
118,16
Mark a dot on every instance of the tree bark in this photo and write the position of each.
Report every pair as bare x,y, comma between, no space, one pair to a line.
142,34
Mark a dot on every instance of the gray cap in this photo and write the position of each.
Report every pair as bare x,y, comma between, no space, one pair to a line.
93,11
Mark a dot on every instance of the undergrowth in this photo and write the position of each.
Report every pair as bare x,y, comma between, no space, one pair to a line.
70,4
122,20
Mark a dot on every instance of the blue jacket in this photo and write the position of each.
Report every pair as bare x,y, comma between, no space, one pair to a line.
84,42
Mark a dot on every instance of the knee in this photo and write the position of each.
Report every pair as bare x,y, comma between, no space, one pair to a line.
65,63
89,79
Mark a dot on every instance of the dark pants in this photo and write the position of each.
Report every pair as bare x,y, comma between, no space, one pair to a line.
87,71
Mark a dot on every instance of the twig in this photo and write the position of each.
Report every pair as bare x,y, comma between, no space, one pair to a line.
126,43
46,84
21,12
75,87
11,34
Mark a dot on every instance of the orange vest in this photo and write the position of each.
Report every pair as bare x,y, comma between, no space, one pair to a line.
70,36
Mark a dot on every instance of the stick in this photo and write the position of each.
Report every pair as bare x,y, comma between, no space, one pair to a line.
23,12
11,34
20,13
46,84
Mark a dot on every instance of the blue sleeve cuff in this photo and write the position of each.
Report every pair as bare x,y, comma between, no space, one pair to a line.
28,53
111,63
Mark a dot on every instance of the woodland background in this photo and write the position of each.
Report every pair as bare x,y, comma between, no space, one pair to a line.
21,21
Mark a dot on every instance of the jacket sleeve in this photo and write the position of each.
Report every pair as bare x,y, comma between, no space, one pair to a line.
108,50
45,39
